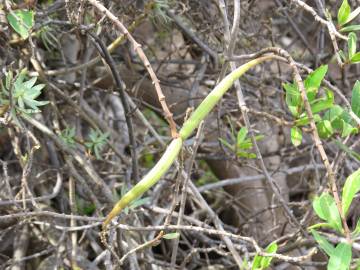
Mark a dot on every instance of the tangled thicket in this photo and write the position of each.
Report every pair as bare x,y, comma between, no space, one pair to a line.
69,149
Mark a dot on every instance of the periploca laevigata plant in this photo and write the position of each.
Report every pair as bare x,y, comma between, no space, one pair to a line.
173,149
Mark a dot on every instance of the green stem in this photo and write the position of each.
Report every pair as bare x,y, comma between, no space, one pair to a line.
150,179
215,95
172,151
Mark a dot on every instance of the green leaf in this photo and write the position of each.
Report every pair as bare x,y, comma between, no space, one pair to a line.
225,143
333,113
266,261
342,55
355,98
343,13
347,129
293,98
355,58
296,136
317,208
139,202
323,243
350,28
325,207
323,103
352,45
325,129
347,150
351,187
171,235
340,258
246,154
8,80
313,81
247,144
21,21
356,232
256,265
241,136
353,15
304,120
261,262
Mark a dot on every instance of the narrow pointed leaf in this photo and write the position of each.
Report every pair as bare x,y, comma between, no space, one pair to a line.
343,12
293,98
350,28
313,81
30,83
323,243
353,15
355,98
241,136
351,187
266,261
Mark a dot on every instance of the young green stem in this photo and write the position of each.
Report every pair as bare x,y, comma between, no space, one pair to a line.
172,151
150,179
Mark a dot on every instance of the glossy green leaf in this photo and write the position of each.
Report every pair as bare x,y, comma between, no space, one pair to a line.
352,45
343,12
293,98
325,207
313,81
355,98
296,136
351,187
340,258
356,58
171,235
350,28
21,21
323,243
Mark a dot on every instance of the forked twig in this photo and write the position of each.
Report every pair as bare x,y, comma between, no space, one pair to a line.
144,59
